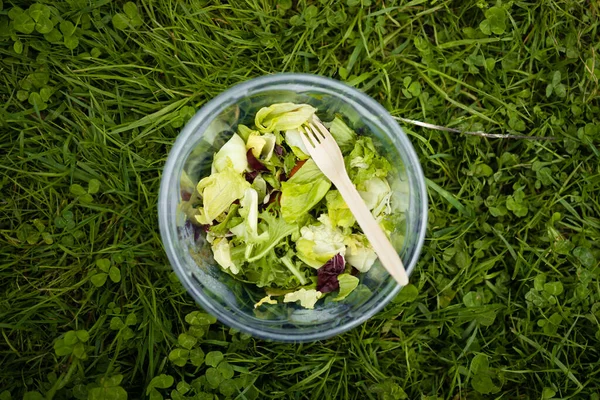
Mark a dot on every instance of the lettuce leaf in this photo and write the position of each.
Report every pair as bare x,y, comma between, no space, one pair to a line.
185,183
219,191
376,193
248,229
308,173
359,253
262,146
294,140
233,153
360,295
232,219
269,271
343,135
289,162
272,180
338,211
294,269
245,132
303,191
249,211
260,185
347,284
364,162
283,116
222,255
401,190
307,298
272,249
277,228
265,300
298,199
319,243
238,250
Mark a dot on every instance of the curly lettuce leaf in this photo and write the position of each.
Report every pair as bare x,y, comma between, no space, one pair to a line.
308,298
233,153
303,191
219,191
294,269
277,228
289,162
364,162
238,252
269,271
283,116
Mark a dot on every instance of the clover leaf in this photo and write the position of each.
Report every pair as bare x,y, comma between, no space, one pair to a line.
24,23
130,17
495,21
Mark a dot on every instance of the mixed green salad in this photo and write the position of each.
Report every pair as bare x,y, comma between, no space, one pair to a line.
274,220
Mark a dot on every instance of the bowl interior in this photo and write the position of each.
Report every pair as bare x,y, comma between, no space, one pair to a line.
233,301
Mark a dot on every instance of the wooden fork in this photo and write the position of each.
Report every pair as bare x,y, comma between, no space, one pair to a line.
326,153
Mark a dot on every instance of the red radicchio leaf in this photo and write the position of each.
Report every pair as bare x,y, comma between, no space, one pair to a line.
275,194
197,230
185,196
250,176
278,150
327,275
253,162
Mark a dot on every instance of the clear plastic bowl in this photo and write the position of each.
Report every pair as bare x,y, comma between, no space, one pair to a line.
231,301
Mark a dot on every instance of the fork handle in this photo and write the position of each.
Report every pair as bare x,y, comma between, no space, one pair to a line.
378,239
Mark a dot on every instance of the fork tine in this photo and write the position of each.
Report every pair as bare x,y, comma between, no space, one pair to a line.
306,138
312,134
321,128
315,132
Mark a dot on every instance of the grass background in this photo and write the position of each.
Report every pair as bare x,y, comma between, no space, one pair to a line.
505,301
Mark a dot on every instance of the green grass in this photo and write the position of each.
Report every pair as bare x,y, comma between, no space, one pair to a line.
506,296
